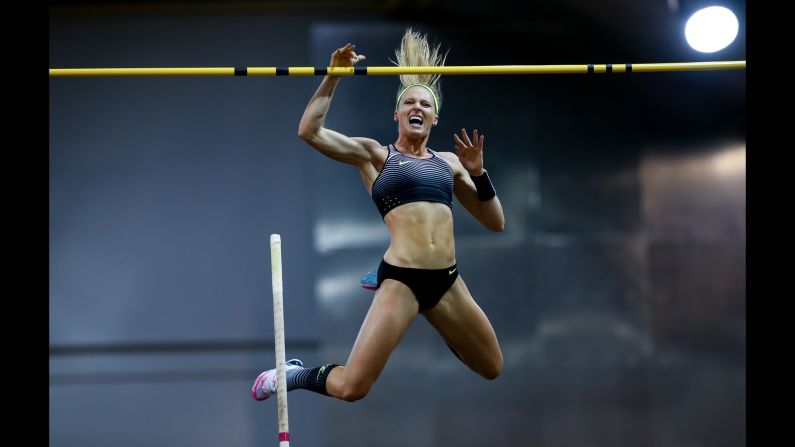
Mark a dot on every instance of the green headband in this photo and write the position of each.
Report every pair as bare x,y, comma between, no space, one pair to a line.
436,100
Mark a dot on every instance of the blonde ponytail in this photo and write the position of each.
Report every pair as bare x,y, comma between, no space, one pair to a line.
414,51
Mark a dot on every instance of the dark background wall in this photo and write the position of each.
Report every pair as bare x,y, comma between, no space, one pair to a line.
617,289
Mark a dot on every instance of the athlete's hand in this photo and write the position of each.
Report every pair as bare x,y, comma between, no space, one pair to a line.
470,154
345,57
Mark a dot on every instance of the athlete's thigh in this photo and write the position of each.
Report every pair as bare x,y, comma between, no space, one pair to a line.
465,327
392,311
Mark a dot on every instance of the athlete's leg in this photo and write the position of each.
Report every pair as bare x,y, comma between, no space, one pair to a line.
391,312
467,330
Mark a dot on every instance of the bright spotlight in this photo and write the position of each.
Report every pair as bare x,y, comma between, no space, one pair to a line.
711,29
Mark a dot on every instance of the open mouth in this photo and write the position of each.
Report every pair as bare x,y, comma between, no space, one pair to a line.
416,121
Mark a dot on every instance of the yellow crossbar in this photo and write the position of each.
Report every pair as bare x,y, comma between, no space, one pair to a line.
392,71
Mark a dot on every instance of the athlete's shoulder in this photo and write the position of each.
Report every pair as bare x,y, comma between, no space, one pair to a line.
448,157
452,161
377,152
368,143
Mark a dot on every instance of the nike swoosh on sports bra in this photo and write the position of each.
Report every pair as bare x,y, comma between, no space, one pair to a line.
406,179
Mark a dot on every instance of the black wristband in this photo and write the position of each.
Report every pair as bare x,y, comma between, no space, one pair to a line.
484,186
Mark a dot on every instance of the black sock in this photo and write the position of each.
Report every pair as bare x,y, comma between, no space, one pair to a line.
312,379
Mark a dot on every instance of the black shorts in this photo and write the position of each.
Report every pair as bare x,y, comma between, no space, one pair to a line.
428,285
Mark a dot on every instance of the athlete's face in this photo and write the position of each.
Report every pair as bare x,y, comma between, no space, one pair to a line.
416,113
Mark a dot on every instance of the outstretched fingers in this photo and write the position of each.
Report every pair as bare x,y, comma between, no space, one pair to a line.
466,137
466,143
478,141
458,143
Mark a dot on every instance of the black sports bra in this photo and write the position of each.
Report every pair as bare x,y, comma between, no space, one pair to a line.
406,179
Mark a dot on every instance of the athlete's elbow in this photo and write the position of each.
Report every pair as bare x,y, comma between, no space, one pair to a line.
307,131
309,138
304,134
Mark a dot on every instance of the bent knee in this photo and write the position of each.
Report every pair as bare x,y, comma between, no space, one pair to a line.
492,370
354,393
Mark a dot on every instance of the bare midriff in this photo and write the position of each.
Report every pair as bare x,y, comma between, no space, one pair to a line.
422,236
